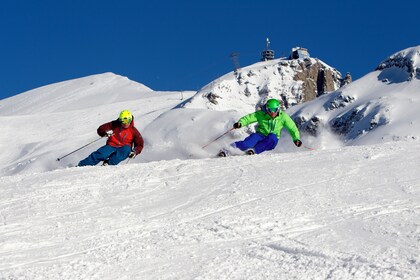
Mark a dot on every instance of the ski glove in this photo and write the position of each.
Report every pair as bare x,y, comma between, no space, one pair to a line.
109,133
132,155
298,143
237,125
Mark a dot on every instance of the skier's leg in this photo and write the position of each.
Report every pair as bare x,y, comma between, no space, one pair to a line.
119,155
268,143
249,142
99,155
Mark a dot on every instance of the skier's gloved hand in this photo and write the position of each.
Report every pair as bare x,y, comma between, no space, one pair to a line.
298,143
132,155
109,133
237,125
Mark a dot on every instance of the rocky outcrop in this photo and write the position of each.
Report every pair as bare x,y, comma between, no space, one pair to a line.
293,81
317,78
347,80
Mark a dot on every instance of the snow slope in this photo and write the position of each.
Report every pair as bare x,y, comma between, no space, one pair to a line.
347,213
174,212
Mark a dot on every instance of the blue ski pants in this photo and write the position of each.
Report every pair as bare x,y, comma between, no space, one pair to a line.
113,154
258,142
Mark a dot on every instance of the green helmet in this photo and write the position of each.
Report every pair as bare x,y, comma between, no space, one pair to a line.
272,105
125,117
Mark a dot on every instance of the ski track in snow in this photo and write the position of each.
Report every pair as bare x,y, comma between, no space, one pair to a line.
308,215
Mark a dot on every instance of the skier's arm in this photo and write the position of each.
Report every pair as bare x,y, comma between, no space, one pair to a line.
105,127
138,142
290,125
248,119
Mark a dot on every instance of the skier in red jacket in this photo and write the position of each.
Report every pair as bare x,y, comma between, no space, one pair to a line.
124,140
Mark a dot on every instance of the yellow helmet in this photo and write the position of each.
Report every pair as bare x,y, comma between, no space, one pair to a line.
125,117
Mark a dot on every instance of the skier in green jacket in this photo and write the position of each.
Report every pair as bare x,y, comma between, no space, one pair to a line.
271,121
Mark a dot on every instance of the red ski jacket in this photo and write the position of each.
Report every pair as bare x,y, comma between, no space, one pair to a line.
122,136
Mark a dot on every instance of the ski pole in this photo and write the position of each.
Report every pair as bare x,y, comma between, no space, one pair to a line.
219,137
60,158
311,149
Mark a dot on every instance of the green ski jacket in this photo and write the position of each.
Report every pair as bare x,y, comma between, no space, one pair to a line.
267,125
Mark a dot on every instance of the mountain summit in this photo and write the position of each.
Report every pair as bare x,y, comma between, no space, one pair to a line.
294,80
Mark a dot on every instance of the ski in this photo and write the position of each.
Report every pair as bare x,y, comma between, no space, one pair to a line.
225,153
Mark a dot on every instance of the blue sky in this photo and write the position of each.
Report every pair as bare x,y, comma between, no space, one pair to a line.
183,45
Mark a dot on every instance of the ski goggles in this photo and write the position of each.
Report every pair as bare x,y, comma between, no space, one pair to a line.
272,110
125,121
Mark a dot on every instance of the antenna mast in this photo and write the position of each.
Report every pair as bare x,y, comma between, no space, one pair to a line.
267,54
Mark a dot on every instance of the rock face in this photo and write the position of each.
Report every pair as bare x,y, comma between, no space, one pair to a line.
317,78
291,80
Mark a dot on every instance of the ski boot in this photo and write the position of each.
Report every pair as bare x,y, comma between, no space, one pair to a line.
250,152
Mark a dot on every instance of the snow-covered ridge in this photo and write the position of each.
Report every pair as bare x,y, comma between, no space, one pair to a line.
407,60
81,93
